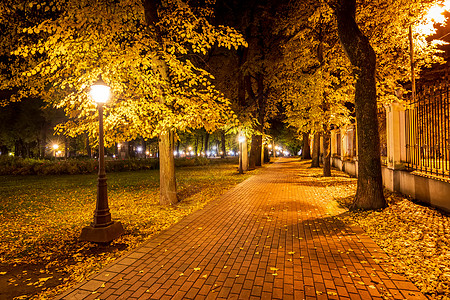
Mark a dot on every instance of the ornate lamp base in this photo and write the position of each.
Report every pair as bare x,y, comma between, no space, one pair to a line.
102,234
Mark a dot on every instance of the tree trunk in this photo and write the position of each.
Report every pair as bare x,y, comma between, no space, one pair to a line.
369,193
306,151
66,148
257,145
196,145
88,146
167,182
222,137
144,148
326,152
206,147
261,117
130,150
266,155
316,151
253,153
168,188
242,55
201,144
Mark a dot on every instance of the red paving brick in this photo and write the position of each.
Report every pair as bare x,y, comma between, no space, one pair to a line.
274,236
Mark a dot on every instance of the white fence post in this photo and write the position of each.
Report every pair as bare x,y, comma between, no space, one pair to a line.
395,131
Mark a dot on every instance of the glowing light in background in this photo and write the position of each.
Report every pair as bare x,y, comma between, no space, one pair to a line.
433,16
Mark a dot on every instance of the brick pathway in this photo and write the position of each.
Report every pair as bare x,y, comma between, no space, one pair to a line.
274,236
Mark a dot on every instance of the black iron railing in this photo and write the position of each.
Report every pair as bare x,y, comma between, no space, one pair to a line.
428,131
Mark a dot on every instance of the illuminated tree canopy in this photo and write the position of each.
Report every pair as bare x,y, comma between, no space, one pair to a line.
59,48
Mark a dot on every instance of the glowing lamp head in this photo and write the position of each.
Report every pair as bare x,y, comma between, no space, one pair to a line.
241,138
100,92
55,146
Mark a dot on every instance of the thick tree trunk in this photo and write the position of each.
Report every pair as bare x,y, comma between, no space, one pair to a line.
253,153
258,150
316,151
242,55
263,148
369,193
167,182
326,153
306,151
168,188
266,155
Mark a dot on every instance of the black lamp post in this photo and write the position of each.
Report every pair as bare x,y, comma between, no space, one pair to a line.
102,229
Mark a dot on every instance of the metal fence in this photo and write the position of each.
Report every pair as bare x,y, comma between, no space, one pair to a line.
428,131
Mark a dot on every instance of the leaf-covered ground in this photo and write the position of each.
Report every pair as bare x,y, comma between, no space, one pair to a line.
416,237
41,219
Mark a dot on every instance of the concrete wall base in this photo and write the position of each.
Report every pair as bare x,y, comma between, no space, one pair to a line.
428,190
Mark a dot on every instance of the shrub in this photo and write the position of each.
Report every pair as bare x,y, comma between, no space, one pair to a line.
28,166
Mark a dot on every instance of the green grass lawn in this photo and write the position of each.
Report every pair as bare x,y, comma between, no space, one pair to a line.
42,216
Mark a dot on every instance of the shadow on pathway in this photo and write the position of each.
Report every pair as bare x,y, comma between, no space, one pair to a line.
276,235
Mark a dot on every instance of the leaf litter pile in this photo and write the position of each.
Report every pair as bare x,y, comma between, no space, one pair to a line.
416,237
42,217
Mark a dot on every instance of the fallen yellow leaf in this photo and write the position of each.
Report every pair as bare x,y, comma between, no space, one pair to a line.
332,293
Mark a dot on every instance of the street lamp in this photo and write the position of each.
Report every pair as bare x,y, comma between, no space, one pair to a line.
241,140
102,229
55,147
434,15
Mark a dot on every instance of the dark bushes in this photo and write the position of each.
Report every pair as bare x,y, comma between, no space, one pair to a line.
28,166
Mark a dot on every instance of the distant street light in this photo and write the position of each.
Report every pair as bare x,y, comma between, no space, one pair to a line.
55,148
241,140
102,229
435,15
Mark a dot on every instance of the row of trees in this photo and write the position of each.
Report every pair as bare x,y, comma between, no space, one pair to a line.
232,66
330,68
